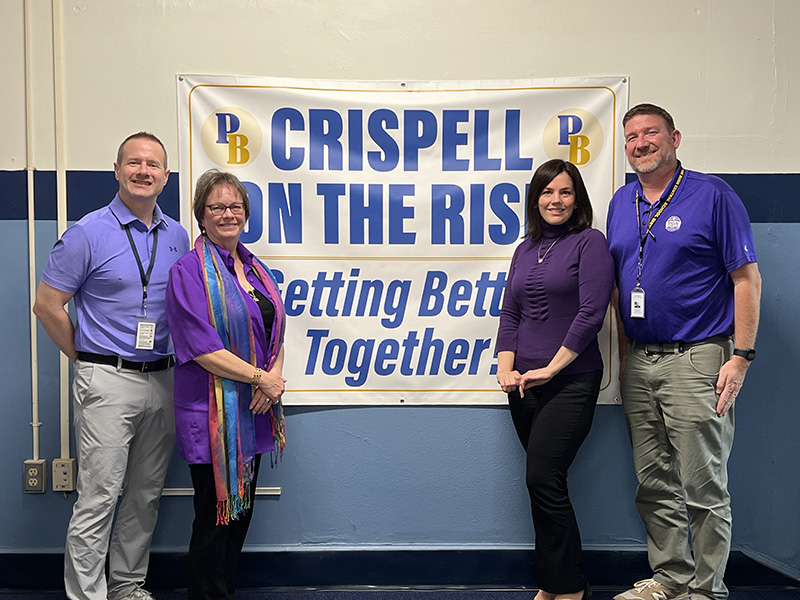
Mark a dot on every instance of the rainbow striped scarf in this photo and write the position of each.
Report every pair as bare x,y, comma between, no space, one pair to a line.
231,423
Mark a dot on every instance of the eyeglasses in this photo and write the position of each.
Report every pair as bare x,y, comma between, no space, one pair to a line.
237,208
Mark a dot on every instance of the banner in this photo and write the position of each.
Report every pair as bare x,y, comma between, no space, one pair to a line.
389,212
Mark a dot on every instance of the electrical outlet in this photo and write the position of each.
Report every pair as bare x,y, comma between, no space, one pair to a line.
64,474
33,476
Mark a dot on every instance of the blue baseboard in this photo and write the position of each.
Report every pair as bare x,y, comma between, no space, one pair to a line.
507,569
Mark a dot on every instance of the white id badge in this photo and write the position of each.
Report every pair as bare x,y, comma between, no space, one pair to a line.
637,303
145,334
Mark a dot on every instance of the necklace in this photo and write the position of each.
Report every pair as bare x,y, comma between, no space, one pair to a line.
251,292
539,251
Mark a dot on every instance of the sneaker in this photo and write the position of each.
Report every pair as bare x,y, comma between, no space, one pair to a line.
138,594
650,589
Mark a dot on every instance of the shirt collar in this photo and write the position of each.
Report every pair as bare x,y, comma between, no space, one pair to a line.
126,217
638,188
247,256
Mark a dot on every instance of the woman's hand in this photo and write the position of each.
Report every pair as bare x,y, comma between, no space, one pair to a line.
508,380
269,391
534,377
260,403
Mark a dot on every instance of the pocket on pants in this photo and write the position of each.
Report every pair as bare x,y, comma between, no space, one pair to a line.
707,359
83,374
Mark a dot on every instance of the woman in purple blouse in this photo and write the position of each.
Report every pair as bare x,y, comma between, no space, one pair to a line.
227,321
556,297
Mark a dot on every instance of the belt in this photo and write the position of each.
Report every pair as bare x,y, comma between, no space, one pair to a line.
117,361
666,348
673,347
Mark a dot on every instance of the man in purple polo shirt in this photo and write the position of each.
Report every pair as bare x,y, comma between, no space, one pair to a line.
115,263
689,291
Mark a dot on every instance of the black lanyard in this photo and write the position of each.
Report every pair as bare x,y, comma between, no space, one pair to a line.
145,277
643,238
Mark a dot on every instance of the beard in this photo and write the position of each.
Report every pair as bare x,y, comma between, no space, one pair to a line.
650,163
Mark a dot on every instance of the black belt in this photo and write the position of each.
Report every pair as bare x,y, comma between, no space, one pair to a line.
666,348
121,363
673,347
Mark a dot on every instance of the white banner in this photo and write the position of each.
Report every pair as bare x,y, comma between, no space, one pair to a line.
389,212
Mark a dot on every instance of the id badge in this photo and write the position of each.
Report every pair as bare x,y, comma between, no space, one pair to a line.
637,303
145,334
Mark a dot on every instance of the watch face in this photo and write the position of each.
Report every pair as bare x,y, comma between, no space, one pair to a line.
748,354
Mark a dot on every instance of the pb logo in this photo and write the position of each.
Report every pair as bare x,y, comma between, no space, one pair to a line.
574,135
231,137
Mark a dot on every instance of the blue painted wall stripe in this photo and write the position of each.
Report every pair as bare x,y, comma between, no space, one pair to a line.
769,198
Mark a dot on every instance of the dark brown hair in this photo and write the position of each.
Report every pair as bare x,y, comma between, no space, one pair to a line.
582,215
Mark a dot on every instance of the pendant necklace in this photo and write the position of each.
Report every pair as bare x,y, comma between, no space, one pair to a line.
539,251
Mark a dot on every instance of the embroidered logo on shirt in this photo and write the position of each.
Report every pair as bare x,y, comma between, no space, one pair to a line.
673,223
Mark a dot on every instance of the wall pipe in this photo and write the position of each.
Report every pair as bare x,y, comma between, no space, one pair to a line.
29,168
61,187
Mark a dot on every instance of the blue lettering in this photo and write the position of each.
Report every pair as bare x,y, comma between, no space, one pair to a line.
447,204
330,192
255,224
333,356
369,215
388,350
293,159
316,336
394,305
419,131
355,140
458,350
325,129
226,123
499,199
460,293
452,139
387,158
296,292
477,212
399,213
481,144
432,299
568,125
286,212
358,365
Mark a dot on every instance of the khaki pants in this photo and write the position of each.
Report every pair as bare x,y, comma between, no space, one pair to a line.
680,452
124,435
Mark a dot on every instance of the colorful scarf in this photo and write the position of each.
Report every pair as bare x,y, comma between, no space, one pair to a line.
231,423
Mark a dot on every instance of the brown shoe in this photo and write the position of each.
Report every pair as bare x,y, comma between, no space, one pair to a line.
650,589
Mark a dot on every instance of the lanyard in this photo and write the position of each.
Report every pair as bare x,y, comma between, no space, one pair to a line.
643,238
145,277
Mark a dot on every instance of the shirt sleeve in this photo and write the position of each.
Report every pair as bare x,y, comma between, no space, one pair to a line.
69,263
595,285
187,312
733,232
510,314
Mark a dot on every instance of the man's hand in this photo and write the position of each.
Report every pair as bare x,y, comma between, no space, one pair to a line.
729,382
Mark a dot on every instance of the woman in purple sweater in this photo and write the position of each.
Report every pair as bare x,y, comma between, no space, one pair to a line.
556,298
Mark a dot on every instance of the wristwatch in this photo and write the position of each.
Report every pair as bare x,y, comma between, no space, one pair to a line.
747,354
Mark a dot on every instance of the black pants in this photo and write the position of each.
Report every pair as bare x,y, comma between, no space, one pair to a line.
552,421
215,549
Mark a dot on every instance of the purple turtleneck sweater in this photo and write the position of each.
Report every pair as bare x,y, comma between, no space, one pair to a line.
560,301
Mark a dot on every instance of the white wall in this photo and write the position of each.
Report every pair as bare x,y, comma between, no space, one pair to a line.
724,68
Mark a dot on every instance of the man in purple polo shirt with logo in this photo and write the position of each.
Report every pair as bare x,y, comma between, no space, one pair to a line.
115,263
689,291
